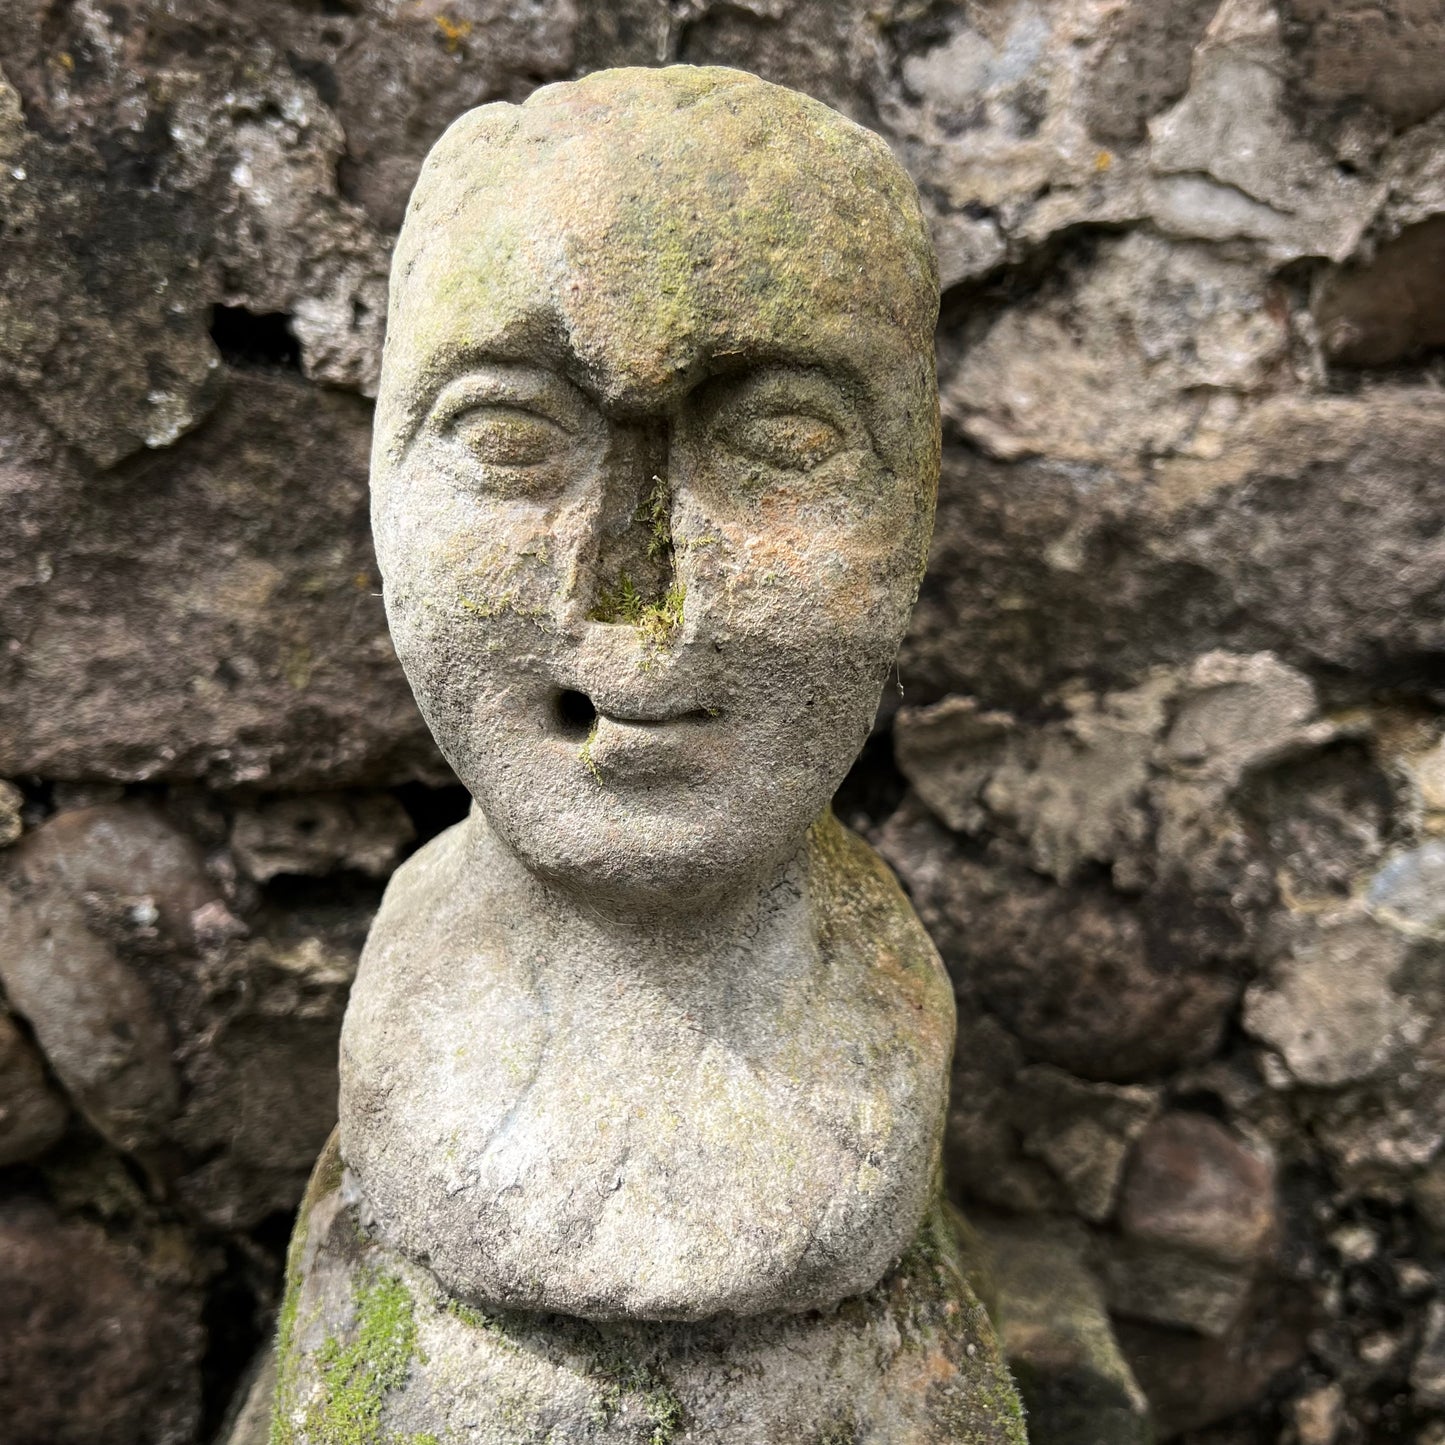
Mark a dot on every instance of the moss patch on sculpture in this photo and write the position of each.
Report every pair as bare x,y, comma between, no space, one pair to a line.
656,621
655,514
474,1319
634,1385
585,754
325,1179
356,1373
356,1376
841,1430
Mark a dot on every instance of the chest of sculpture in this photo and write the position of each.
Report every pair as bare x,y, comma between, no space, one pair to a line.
645,1070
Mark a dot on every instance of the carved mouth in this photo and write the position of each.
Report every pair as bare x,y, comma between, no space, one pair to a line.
577,714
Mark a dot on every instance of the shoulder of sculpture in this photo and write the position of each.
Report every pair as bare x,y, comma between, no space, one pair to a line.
425,895
434,865
857,900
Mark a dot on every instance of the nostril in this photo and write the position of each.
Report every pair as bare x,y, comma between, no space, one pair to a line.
575,711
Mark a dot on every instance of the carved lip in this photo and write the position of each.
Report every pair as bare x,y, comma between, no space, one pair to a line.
650,719
578,709
654,750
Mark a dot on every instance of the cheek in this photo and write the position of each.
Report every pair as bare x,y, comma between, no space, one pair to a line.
828,579
446,567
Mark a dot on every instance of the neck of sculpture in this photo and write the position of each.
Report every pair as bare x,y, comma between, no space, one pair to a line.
643,933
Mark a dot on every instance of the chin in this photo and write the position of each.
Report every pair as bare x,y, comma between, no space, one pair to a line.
655,847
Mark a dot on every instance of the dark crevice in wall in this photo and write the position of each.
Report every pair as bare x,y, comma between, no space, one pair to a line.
237,1317
874,787
255,339
433,810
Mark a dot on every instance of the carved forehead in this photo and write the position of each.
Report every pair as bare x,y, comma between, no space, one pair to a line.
647,223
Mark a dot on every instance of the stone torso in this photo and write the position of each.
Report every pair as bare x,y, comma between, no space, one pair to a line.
551,1125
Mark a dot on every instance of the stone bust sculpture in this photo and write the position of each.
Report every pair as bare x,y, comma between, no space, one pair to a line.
650,1041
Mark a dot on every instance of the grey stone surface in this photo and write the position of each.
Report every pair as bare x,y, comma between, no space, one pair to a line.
1333,1006
120,946
99,1024
1409,891
234,592
369,1342
733,1114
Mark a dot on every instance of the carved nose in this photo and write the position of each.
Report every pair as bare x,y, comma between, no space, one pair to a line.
635,577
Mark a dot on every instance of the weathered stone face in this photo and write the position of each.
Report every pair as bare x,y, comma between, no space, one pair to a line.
654,468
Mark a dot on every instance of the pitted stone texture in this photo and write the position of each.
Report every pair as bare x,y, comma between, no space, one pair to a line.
1390,54
212,613
1083,978
367,1336
753,1127
102,314
1341,1003
1044,570
120,951
1142,346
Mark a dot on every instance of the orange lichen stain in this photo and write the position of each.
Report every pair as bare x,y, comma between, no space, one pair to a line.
936,1365
454,32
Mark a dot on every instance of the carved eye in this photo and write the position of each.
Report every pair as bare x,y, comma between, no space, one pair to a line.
792,441
509,436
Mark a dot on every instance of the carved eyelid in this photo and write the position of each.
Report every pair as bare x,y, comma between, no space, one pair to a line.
780,392
546,394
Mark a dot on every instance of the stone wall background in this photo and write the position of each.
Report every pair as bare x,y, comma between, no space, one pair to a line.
1164,772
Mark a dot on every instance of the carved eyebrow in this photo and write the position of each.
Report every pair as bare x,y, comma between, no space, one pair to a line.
533,337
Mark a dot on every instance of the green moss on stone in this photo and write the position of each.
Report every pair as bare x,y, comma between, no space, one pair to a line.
655,621
585,753
325,1179
643,1386
655,514
357,1375
842,1430
474,1319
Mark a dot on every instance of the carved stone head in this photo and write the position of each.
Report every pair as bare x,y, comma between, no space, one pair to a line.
655,463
